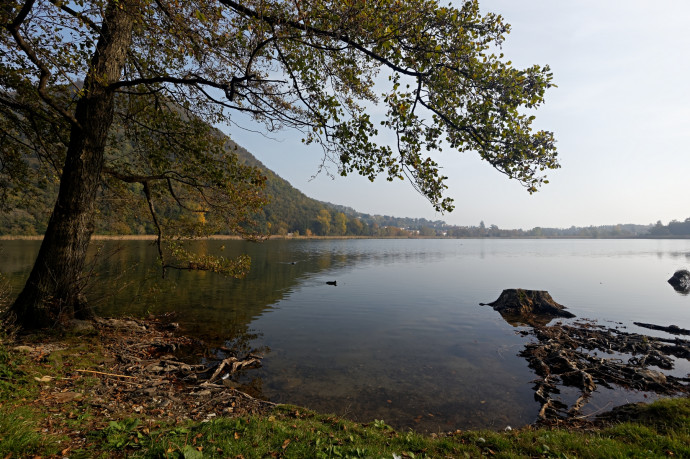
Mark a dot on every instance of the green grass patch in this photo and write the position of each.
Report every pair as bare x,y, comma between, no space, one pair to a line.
295,432
20,435
14,381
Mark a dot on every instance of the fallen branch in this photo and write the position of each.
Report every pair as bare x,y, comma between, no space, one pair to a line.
106,374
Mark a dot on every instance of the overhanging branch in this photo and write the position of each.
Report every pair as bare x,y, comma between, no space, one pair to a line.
274,21
45,72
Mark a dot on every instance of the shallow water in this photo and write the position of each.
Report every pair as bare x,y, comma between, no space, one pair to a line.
402,336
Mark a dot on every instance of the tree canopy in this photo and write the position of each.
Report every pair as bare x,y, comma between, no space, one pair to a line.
83,81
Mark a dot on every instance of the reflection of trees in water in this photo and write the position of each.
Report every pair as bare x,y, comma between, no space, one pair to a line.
662,254
17,258
128,281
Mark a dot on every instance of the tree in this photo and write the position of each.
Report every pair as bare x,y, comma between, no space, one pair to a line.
427,232
659,229
114,97
355,226
339,224
323,222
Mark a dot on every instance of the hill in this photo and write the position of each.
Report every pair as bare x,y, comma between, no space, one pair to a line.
291,211
288,211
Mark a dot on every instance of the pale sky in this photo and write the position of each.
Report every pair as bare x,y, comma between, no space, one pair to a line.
620,114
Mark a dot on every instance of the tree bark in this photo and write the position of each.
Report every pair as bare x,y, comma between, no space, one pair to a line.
54,291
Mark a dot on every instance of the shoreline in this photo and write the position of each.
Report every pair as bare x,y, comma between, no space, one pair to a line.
113,388
151,237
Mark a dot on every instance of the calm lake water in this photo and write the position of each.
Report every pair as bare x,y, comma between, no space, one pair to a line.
402,336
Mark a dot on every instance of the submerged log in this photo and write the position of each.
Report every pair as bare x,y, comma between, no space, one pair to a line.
531,305
673,329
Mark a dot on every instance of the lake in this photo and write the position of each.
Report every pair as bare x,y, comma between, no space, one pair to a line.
401,337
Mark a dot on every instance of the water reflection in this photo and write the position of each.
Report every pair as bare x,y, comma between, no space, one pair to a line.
402,336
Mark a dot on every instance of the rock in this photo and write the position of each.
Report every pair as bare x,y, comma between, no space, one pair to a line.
81,326
26,349
681,281
529,305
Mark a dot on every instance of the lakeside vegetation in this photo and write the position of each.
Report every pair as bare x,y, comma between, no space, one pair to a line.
35,422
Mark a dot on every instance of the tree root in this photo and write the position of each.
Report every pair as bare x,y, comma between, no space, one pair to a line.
568,355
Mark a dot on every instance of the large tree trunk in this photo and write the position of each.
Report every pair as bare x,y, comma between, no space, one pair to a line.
53,292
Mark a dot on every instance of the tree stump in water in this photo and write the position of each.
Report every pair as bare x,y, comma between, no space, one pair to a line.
528,305
681,281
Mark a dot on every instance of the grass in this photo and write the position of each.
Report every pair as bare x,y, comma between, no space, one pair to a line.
19,435
19,432
660,429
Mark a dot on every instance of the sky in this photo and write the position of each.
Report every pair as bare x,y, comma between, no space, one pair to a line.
620,115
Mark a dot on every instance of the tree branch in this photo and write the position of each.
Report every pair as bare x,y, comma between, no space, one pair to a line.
86,20
168,79
273,21
154,216
45,73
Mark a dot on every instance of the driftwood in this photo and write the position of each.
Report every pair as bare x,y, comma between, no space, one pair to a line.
233,365
535,307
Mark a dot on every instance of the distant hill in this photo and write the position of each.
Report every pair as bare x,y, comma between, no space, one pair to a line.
291,211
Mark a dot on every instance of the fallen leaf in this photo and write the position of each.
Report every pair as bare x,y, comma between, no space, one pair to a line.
237,436
43,378
286,443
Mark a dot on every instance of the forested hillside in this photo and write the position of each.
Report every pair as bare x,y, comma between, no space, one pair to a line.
288,211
